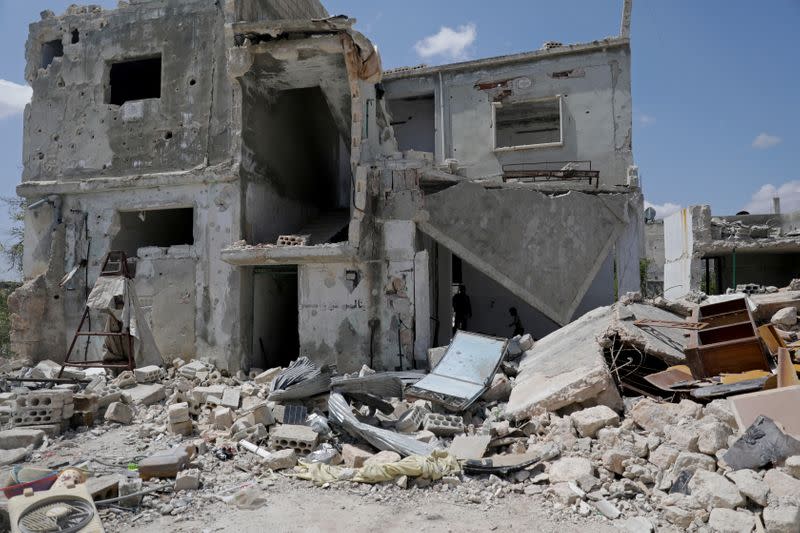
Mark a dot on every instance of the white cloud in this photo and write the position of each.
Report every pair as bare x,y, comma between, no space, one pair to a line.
13,98
644,119
761,201
663,210
448,43
765,140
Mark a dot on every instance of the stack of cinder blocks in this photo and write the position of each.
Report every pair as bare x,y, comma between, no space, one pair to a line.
179,421
44,408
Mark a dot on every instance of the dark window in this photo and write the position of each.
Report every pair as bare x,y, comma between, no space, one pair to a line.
154,227
51,50
76,37
135,80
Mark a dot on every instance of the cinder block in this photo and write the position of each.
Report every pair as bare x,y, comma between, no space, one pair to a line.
301,439
184,428
178,412
147,374
443,425
120,413
411,420
231,397
260,414
223,418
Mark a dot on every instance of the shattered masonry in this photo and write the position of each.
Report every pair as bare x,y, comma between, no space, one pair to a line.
281,196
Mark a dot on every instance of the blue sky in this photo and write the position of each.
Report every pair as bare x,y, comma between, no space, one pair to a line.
715,83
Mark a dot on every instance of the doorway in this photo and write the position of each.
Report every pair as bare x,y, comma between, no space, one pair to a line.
276,341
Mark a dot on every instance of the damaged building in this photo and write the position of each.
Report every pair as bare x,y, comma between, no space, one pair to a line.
713,254
278,195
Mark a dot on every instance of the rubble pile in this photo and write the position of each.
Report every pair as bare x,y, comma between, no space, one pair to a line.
553,419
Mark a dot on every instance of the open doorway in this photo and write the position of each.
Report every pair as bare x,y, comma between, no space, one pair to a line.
276,341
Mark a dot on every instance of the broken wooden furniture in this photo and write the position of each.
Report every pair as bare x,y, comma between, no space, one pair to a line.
729,344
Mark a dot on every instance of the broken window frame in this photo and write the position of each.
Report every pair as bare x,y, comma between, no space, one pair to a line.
553,144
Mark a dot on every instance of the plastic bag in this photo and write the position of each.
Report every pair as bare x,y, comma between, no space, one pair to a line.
318,423
324,454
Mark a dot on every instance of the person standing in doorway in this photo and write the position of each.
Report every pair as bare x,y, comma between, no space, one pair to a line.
462,309
516,323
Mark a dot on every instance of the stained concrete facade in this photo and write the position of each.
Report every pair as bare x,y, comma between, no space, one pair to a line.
254,165
713,254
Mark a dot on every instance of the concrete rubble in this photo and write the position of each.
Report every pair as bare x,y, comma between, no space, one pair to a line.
291,318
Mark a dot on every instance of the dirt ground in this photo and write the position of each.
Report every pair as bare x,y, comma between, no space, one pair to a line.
302,508
297,505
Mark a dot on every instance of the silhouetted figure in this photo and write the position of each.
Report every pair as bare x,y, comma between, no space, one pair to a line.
516,323
462,309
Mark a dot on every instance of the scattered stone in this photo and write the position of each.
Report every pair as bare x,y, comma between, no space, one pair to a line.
763,443
607,509
354,457
223,418
382,458
785,318
713,490
792,466
751,485
12,456
782,519
730,521
783,488
280,460
588,421
678,516
635,524
119,412
188,480
20,438
570,469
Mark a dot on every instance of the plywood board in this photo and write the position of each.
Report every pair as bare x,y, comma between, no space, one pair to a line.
781,405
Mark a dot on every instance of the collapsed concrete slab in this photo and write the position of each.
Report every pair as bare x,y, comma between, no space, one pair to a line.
468,218
565,368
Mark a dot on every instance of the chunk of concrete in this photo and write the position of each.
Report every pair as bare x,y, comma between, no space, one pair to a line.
223,418
12,456
187,480
785,317
763,443
20,438
119,412
231,397
588,421
384,457
354,457
469,447
499,390
178,412
783,488
549,380
751,485
147,394
782,519
280,460
713,490
656,417
793,466
570,469
691,462
730,521
266,377
147,374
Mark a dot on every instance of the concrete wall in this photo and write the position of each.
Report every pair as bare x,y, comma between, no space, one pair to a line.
681,268
70,128
654,253
596,96
413,121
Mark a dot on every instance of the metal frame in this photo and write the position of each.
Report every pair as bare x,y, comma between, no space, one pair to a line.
114,264
523,171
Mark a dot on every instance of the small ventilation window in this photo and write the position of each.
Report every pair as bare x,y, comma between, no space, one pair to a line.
50,51
136,79
76,37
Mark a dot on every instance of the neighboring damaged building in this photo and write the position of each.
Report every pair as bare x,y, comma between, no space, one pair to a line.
714,254
278,195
